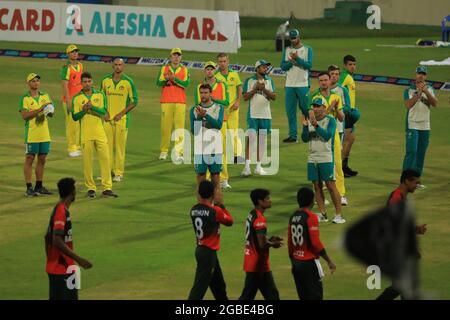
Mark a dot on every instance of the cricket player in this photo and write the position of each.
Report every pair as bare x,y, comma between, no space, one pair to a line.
71,85
234,84
305,248
122,97
32,107
334,107
206,220
173,79
258,90
419,98
90,107
59,245
258,275
297,62
319,131
352,116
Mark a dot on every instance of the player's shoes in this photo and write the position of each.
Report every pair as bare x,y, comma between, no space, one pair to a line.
225,185
178,159
338,219
163,156
344,201
43,191
109,194
118,178
290,140
75,154
260,171
420,187
322,217
91,194
246,172
30,193
348,173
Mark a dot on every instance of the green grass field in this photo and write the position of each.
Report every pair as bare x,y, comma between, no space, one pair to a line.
142,243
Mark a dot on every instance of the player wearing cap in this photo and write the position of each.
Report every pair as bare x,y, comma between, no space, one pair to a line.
234,83
352,115
297,62
419,97
258,91
305,248
173,79
71,85
319,132
334,106
220,96
89,107
121,98
35,106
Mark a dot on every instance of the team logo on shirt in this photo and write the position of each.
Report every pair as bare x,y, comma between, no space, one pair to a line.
121,88
96,100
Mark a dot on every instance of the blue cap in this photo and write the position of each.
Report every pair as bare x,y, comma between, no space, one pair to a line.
261,63
294,33
422,69
317,102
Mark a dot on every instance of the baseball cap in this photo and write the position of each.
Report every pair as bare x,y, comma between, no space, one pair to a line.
71,48
421,69
317,102
210,64
261,63
32,75
176,50
294,33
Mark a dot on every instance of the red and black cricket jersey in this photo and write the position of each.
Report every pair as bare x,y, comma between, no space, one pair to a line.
396,196
303,236
60,224
206,220
256,259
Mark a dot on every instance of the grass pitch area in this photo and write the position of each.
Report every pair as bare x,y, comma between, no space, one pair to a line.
142,243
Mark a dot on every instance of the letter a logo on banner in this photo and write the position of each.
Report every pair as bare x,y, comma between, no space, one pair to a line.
73,21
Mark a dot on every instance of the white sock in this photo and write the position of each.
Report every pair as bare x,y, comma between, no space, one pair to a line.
258,165
247,163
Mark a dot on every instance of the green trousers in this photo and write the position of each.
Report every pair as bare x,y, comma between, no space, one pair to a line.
416,147
295,97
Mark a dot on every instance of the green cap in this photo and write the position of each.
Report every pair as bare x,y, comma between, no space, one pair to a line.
422,69
317,102
294,33
261,63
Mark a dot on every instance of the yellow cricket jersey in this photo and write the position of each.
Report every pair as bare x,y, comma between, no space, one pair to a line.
328,100
346,80
119,95
36,129
233,81
91,122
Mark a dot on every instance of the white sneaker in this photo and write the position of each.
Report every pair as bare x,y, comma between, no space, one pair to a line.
260,171
163,156
225,185
117,178
75,154
338,219
420,187
322,217
246,172
178,160
344,201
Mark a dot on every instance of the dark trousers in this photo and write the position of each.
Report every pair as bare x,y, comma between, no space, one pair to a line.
307,280
59,289
262,281
390,293
208,274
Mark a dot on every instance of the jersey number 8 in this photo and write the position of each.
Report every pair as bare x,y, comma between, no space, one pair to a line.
297,234
198,222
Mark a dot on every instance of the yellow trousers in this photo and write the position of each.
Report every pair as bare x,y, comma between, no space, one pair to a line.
340,185
102,150
172,115
224,173
117,140
72,132
233,123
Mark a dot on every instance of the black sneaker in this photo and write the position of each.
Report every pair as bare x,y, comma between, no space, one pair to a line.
109,194
290,140
43,191
91,194
348,173
30,193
